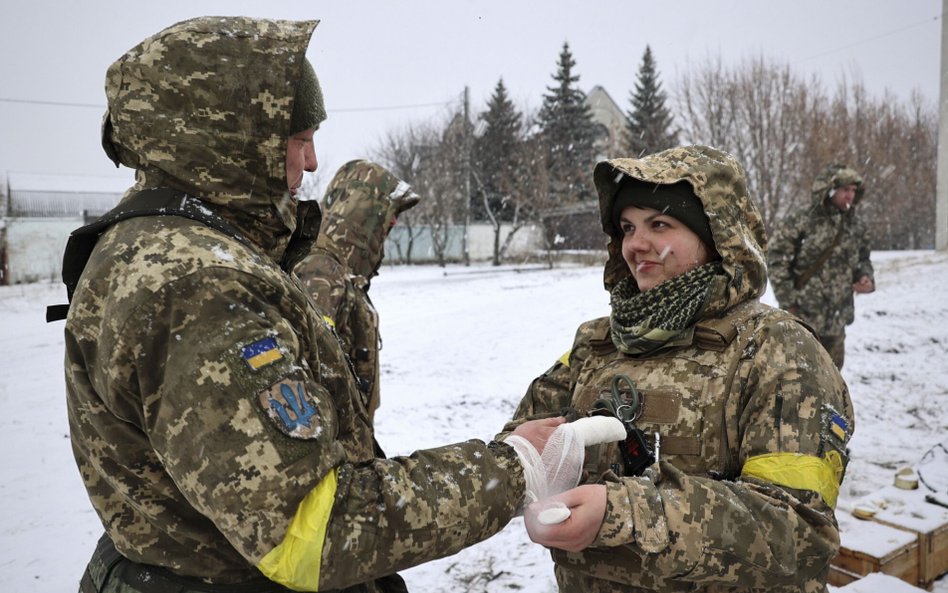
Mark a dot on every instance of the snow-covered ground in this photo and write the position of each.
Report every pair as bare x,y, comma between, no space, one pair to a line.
460,348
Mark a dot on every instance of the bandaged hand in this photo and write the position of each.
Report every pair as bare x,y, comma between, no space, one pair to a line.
586,509
560,466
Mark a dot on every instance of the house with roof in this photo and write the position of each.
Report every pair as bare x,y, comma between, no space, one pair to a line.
610,124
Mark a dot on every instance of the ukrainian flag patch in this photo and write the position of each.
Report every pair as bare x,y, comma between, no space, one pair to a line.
261,353
839,427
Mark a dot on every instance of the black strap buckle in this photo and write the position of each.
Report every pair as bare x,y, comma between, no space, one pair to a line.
635,450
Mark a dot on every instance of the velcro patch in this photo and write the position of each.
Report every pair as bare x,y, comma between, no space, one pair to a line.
839,427
261,353
291,408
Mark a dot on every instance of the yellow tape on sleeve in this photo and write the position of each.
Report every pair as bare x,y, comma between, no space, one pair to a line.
564,360
295,562
801,472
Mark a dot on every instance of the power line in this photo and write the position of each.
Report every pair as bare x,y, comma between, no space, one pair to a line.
53,103
868,39
389,107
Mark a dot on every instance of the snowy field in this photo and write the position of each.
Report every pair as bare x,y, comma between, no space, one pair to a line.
460,348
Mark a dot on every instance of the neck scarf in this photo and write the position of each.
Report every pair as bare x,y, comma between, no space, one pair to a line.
642,322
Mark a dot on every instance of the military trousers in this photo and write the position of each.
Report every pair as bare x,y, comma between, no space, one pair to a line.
836,346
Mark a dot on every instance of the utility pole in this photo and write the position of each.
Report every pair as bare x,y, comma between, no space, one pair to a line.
941,187
467,174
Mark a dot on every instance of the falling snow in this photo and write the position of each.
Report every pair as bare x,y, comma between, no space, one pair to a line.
461,347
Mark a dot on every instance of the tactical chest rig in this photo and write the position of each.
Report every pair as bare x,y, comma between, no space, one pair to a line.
163,201
723,343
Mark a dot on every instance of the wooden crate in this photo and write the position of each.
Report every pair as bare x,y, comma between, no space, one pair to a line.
908,510
875,582
867,547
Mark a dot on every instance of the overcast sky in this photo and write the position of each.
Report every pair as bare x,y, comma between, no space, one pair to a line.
383,64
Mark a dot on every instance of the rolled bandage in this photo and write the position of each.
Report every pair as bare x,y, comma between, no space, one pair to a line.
556,512
596,430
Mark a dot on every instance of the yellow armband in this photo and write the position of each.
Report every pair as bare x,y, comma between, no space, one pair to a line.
801,472
295,562
564,360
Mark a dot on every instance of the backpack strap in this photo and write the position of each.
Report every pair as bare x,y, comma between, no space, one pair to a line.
158,201
801,280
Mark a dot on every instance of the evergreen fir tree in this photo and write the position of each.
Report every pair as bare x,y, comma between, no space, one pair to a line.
649,121
568,133
495,156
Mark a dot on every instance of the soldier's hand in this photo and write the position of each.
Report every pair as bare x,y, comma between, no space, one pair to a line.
537,432
587,505
865,285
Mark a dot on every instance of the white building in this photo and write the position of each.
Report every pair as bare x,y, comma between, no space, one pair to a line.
37,213
610,123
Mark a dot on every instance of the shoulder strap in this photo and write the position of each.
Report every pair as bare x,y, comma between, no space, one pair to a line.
739,318
159,201
803,278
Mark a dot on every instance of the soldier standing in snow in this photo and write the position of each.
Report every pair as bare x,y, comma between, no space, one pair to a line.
737,420
819,257
362,203
214,418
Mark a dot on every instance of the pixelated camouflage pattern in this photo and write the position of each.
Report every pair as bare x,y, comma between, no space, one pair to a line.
749,380
181,459
359,208
719,182
226,103
826,301
361,203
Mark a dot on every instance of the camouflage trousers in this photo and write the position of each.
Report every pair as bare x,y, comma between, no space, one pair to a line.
836,346
110,572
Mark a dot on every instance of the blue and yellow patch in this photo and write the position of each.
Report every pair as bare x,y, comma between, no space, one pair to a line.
261,353
839,427
292,408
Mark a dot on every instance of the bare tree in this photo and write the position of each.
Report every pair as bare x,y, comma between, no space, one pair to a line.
759,112
401,152
705,104
894,146
784,130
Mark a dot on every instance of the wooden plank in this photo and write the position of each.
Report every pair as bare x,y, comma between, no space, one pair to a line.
867,547
908,510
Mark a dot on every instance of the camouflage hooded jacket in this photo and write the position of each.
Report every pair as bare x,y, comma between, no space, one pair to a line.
749,414
213,415
360,207
826,300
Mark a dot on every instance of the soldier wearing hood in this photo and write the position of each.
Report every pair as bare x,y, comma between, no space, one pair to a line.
362,203
737,420
214,418
819,257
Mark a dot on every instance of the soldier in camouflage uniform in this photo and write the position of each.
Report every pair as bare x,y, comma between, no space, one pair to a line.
746,414
361,206
213,415
819,257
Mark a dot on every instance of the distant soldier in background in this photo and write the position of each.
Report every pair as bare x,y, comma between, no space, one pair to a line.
361,206
819,256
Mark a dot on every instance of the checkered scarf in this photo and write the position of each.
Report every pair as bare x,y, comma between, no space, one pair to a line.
642,322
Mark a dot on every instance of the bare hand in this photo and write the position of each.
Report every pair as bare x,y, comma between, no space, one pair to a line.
538,432
587,505
865,285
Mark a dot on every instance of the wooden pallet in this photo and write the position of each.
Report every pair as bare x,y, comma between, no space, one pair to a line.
867,547
908,510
